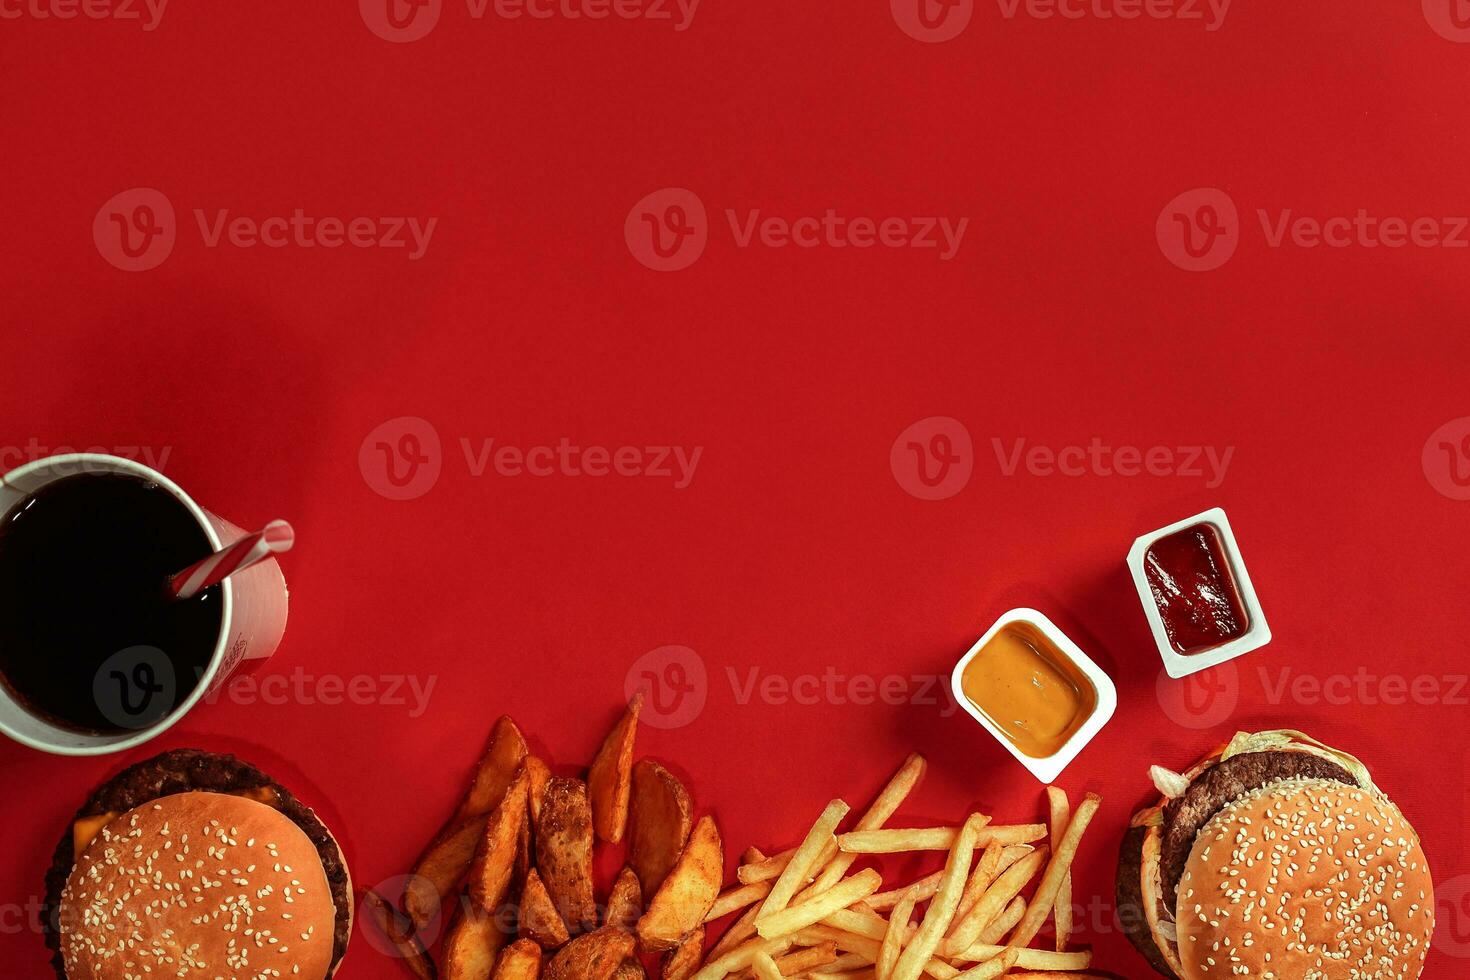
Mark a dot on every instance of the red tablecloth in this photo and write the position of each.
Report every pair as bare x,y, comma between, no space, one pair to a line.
1069,311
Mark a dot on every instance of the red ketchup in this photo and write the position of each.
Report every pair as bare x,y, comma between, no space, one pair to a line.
1194,590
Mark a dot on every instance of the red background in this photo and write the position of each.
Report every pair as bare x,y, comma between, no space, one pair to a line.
794,548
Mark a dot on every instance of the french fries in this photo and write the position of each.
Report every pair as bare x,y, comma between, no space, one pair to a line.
564,853
942,908
521,960
809,900
593,956
610,780
1061,815
521,844
798,869
895,937
933,838
624,902
884,807
660,818
688,893
1061,863
817,908
994,901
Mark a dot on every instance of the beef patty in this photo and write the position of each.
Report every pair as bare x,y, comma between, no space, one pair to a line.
1220,786
184,771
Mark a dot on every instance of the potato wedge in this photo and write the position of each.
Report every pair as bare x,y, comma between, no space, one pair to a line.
540,776
521,960
443,865
495,861
609,781
630,970
503,755
680,962
564,853
689,891
400,933
661,817
473,944
624,902
539,919
594,956
441,869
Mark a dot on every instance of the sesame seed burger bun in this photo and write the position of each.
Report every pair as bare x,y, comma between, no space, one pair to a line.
1306,878
198,885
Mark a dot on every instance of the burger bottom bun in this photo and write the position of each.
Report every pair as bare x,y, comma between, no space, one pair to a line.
1128,896
1306,878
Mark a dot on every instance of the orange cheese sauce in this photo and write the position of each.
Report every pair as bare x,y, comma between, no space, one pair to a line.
1030,690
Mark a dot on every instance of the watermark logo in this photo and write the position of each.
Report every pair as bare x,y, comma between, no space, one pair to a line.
135,688
149,13
402,458
674,684
401,21
1100,459
668,230
933,21
13,456
1199,230
1452,917
136,229
1446,459
1200,701
933,459
1449,18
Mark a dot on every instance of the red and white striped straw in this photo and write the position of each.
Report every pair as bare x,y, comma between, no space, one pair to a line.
273,539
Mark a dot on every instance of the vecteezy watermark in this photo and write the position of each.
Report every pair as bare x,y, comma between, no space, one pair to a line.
1446,459
1452,917
13,456
139,687
933,459
402,459
23,917
1449,18
835,687
674,684
137,229
1200,230
147,13
1098,458
405,21
932,21
1364,688
937,21
669,229
1203,700
1209,13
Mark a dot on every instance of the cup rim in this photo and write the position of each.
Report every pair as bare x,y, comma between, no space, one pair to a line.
206,680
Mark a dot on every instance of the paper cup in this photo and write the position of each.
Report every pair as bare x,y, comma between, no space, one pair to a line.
252,618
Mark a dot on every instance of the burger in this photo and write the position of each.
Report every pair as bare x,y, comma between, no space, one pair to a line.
1275,857
196,865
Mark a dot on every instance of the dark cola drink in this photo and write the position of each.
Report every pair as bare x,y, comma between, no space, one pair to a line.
89,638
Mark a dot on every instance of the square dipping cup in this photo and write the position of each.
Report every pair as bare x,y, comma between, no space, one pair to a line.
1257,633
1103,694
